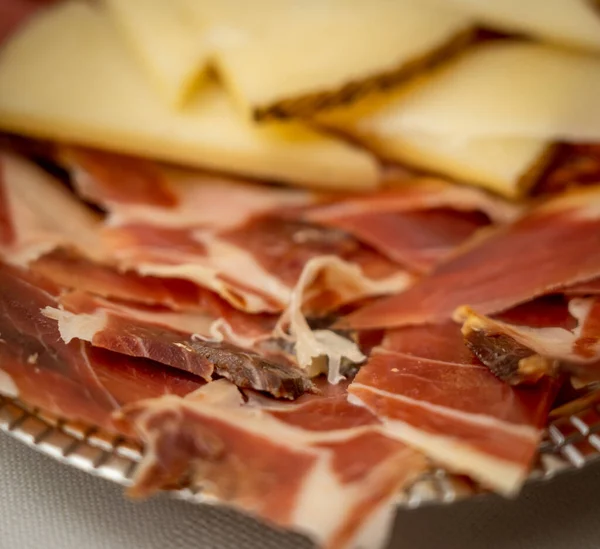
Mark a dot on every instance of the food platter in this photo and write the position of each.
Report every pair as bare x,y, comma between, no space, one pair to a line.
570,443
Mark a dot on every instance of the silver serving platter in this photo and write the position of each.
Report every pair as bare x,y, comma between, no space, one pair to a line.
570,443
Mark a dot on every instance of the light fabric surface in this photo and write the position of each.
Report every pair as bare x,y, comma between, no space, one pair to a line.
47,505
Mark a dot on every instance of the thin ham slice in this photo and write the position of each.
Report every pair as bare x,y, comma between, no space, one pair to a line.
182,341
76,272
432,393
555,245
256,265
519,351
171,198
74,381
38,214
591,287
418,223
332,479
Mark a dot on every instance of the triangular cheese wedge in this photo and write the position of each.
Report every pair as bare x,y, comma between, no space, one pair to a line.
508,166
570,22
68,77
169,45
504,89
291,58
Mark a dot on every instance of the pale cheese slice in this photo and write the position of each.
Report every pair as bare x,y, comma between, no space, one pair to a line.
290,58
570,22
68,77
503,89
506,165
168,43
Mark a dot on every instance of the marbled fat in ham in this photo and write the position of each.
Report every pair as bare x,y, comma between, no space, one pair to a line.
554,246
432,393
333,479
73,380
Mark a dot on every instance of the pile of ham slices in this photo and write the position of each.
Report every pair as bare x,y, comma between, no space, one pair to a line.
301,356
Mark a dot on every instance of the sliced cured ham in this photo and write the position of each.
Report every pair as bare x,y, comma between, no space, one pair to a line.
256,265
591,287
168,197
554,246
75,272
319,467
518,350
38,214
432,393
72,380
210,230
183,341
417,224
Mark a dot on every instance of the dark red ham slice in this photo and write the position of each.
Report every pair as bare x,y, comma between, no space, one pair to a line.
333,479
554,246
418,224
182,341
432,393
75,381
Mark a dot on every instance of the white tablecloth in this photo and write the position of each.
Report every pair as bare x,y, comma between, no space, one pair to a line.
45,505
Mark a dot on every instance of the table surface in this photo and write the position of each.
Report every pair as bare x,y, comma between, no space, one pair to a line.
44,504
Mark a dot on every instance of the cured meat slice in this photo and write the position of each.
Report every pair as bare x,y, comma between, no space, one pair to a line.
332,479
168,197
417,224
243,241
518,351
75,380
75,272
38,215
591,287
432,393
255,266
552,247
174,339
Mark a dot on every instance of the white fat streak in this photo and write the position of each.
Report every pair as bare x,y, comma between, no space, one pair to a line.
46,214
208,201
376,532
77,326
217,393
208,277
323,503
8,387
221,330
224,259
232,261
489,422
186,322
434,193
501,475
351,284
579,309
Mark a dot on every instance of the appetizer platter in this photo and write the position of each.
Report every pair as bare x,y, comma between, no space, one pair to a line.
312,259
